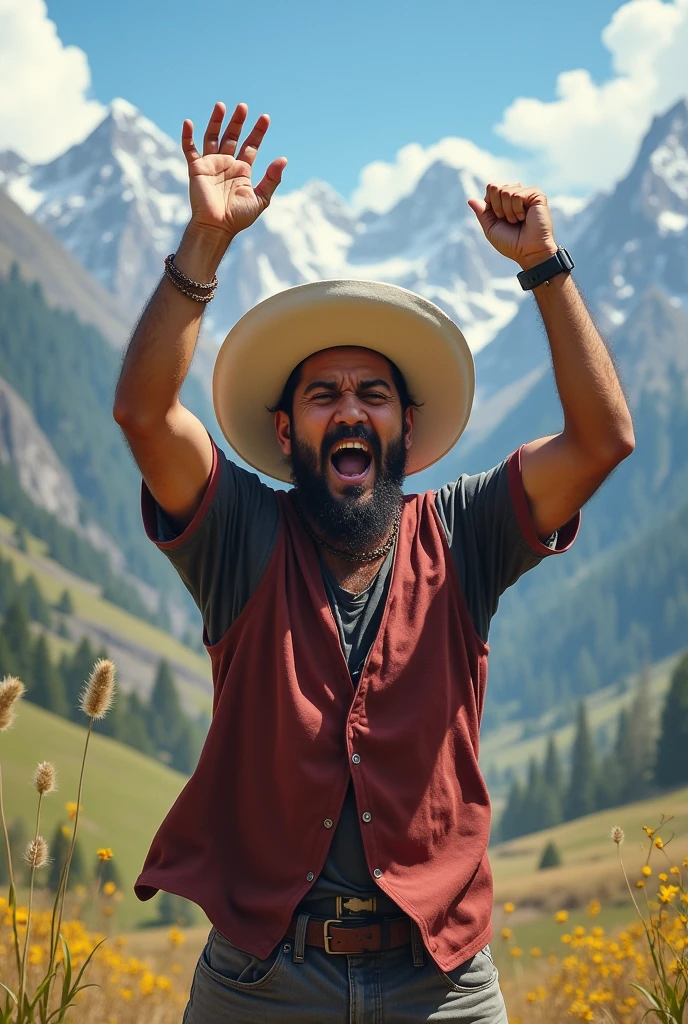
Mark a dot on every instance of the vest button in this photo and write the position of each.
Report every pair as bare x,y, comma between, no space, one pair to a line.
377,872
356,758
328,823
367,816
310,876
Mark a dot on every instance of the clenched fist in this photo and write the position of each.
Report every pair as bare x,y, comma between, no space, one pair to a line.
517,222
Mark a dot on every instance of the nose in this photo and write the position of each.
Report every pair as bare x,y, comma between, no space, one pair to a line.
350,410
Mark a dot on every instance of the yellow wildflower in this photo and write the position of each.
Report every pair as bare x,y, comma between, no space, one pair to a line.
648,831
516,951
663,877
71,809
673,870
506,934
659,843
536,951
594,908
176,936
509,908
104,853
109,888
640,884
667,893
646,870
561,916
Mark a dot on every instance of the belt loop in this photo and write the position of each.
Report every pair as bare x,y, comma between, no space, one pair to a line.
417,946
299,954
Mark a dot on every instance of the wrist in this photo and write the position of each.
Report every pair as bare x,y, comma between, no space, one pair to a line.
201,250
532,259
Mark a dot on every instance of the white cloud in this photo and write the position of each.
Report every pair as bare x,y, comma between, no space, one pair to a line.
44,85
383,184
588,137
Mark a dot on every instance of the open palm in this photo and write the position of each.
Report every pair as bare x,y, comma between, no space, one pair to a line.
222,196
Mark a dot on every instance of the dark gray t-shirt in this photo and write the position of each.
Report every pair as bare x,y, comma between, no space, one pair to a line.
222,555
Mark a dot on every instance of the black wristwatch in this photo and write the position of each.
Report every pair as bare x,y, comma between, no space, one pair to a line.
559,263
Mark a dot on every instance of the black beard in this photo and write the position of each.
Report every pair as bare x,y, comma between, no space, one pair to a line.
348,522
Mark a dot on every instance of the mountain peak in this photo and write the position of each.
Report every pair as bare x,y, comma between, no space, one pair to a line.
121,109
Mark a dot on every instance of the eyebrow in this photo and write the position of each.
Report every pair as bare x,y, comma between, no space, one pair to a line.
330,385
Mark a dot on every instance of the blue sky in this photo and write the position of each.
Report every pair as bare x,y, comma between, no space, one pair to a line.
344,83
565,90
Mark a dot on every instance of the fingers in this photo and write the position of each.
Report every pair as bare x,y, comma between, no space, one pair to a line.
233,130
211,138
500,198
271,179
248,151
188,147
511,202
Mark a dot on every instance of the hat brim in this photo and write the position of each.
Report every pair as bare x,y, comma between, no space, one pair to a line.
266,344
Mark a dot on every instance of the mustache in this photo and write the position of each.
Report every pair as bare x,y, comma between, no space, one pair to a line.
357,433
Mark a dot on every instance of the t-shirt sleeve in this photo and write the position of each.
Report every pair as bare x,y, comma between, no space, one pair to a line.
223,552
492,536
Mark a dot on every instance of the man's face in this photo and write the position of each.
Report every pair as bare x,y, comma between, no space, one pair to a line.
347,438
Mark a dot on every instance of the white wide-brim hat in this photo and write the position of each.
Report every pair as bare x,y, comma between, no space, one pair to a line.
266,344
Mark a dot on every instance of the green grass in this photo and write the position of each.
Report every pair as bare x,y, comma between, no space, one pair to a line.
125,796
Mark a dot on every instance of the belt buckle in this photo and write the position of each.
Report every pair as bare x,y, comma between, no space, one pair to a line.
354,905
327,939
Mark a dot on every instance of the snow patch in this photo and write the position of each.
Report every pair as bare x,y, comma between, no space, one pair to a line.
670,222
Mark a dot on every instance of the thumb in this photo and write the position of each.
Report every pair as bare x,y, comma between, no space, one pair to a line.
485,215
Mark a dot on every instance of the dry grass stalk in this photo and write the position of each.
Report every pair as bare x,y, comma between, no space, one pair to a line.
11,690
99,692
44,778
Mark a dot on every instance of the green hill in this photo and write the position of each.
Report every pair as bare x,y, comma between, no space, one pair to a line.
125,796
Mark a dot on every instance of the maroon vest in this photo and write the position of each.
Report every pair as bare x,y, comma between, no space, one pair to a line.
246,837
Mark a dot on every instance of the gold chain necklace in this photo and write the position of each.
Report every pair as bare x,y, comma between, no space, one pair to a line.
367,556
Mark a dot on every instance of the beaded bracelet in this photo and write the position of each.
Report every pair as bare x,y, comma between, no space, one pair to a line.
171,265
182,288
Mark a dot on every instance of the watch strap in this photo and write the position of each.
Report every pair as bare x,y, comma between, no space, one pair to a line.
559,263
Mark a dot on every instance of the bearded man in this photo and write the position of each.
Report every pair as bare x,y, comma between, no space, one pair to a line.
335,830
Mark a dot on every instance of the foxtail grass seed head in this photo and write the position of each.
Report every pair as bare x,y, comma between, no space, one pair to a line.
44,780
617,834
36,853
11,689
98,694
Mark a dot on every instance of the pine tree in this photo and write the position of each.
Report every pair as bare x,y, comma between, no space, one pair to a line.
671,764
75,672
511,823
45,686
166,719
640,753
65,603
36,605
136,723
175,910
551,858
582,788
17,636
554,775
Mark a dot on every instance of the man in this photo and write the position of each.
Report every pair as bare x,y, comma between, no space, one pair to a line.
335,830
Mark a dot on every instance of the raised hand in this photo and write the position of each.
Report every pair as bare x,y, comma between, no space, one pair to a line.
222,196
517,222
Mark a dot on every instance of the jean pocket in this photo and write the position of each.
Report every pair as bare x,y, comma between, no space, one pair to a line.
235,968
473,975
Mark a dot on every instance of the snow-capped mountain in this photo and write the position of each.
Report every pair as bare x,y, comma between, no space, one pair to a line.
118,201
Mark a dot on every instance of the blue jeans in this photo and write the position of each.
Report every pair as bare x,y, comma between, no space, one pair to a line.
370,988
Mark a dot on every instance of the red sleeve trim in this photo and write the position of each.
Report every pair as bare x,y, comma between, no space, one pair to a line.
566,534
149,509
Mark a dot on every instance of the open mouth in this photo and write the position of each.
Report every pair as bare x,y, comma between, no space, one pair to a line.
351,460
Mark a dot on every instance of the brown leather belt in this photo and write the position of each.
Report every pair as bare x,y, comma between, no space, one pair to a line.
335,937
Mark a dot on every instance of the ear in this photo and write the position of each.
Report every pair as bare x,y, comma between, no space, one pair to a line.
283,431
408,427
